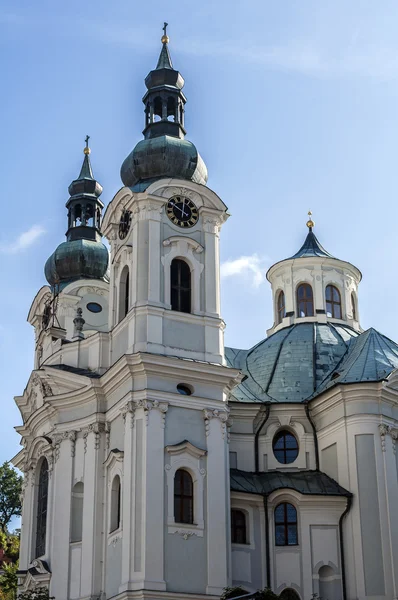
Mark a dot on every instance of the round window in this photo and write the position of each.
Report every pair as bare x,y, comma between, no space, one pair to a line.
94,307
285,447
184,389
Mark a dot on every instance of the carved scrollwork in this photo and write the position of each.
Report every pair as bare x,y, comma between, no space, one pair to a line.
221,415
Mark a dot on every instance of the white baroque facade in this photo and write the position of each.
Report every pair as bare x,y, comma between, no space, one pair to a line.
159,464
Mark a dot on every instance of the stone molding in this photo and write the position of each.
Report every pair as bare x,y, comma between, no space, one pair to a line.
385,430
129,409
96,428
222,416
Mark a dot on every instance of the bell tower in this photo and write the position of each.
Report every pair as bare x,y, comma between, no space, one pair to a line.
163,227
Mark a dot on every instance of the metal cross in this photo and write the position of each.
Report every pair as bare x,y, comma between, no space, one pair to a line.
165,28
86,140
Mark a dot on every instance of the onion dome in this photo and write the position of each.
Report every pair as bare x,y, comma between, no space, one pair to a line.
164,152
83,255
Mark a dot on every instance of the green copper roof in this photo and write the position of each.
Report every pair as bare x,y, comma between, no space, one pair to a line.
164,61
291,364
371,357
311,247
86,171
160,157
306,482
299,362
78,259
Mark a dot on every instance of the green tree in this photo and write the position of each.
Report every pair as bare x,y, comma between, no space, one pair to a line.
10,492
8,582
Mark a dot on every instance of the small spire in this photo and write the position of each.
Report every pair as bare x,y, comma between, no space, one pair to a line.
86,171
164,61
78,322
310,222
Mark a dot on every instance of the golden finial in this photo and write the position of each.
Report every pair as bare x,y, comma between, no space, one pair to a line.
87,149
165,37
310,222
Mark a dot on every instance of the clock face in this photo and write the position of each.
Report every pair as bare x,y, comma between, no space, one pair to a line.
182,211
124,225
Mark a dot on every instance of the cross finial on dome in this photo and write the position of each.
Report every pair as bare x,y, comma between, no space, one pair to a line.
165,37
87,149
310,222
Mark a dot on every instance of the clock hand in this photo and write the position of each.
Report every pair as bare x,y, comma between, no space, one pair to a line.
181,210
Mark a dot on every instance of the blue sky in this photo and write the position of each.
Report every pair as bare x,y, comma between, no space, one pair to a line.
293,105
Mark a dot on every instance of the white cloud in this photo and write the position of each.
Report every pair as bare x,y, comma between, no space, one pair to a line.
251,269
24,240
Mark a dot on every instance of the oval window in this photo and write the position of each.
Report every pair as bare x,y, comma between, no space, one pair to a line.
285,447
183,389
94,307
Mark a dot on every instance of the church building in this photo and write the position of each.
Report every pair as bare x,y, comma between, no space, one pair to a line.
159,464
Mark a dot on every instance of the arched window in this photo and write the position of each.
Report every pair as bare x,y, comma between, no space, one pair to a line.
281,309
238,527
180,276
289,594
77,215
285,447
41,514
157,108
286,525
305,301
171,109
124,293
333,302
116,497
353,307
183,497
76,528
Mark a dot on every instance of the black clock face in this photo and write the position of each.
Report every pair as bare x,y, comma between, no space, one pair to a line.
182,211
124,225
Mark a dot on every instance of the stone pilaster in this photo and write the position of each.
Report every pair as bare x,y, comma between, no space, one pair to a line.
217,487
93,510
60,538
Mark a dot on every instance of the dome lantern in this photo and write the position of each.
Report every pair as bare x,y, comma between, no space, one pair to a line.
83,255
314,286
164,151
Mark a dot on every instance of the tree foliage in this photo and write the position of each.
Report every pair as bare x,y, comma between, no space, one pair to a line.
10,492
8,581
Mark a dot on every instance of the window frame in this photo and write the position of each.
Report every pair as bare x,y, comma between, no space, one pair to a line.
124,293
236,528
286,523
354,307
306,300
77,507
280,308
115,516
42,509
181,304
332,302
278,435
186,500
